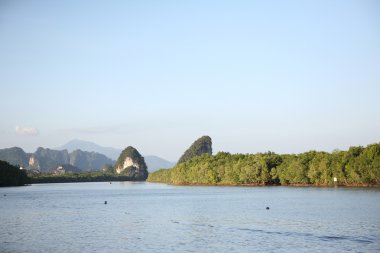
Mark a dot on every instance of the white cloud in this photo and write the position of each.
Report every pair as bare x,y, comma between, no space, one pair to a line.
29,131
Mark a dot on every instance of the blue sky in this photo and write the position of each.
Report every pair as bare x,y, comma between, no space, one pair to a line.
285,76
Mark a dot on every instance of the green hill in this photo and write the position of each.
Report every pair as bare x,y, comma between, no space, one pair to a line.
201,146
132,164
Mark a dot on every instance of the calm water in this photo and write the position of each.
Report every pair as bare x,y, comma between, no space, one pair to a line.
144,217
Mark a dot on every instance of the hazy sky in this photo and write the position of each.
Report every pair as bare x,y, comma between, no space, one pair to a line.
285,76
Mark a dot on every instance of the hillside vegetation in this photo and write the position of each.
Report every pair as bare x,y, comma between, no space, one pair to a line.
201,146
12,176
132,164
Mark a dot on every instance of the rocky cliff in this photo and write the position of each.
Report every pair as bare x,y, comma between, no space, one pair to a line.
46,159
132,164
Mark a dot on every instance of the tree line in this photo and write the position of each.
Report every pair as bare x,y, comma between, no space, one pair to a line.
93,176
357,166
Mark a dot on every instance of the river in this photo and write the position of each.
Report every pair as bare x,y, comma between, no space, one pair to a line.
147,217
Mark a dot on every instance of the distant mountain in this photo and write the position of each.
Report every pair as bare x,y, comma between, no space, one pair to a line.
14,156
45,159
153,162
84,155
72,145
87,161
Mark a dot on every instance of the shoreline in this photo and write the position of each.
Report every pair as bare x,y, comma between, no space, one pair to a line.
367,186
274,185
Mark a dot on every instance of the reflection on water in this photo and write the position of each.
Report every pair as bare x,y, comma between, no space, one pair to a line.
145,217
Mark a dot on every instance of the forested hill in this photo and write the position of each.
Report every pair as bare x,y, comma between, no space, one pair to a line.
355,167
201,146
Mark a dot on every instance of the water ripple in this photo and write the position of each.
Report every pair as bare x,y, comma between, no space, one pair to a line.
149,218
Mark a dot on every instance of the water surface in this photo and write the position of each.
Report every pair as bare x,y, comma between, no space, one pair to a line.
146,217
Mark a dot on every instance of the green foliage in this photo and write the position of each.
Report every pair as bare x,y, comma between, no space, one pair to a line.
222,168
357,166
109,169
12,176
201,146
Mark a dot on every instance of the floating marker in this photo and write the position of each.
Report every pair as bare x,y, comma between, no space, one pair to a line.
267,208
105,202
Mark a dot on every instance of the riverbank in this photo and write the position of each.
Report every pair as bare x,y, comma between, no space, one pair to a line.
358,166
274,185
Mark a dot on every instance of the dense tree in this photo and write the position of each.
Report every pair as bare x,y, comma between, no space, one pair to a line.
12,176
91,176
357,166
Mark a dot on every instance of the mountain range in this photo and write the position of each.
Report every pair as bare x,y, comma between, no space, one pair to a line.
76,154
75,144
45,159
153,162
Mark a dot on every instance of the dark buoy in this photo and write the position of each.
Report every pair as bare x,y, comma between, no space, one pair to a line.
110,183
267,208
5,195
105,202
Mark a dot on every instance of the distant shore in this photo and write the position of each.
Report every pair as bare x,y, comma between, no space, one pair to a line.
79,178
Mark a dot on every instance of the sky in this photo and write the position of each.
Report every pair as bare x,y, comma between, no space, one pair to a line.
284,76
